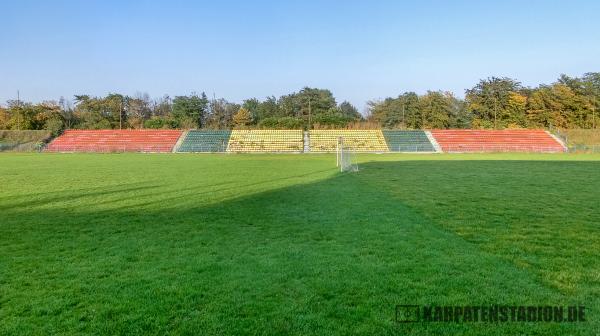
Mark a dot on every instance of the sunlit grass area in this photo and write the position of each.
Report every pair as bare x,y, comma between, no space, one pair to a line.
125,244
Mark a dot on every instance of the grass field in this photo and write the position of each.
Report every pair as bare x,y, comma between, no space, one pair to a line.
126,244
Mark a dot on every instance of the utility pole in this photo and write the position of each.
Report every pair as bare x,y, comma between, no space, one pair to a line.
18,110
423,117
495,111
594,116
593,101
214,107
309,115
403,108
121,114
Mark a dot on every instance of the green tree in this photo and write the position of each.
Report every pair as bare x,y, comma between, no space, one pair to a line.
191,110
253,107
560,105
115,108
139,109
349,111
307,103
92,113
21,115
269,108
591,84
515,115
488,101
539,108
401,112
242,117
281,123
438,110
221,114
4,118
162,107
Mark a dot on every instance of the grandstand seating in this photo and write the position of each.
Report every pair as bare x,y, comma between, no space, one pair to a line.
407,141
199,141
456,141
115,141
356,140
256,141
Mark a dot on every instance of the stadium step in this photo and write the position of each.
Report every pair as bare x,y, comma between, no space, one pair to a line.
457,141
205,141
324,141
297,141
160,141
266,141
408,141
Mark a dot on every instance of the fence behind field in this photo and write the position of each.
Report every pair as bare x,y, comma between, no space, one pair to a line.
420,148
21,147
584,149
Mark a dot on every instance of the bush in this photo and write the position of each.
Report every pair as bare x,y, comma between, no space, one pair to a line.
26,140
155,123
268,123
161,122
282,123
187,123
54,126
291,123
581,136
332,121
102,124
14,136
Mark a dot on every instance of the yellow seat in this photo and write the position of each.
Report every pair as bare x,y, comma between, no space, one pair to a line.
356,140
256,141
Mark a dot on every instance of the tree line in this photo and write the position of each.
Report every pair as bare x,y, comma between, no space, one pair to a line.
493,103
496,103
309,106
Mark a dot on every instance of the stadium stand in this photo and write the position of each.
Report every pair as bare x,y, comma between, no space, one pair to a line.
460,141
407,141
297,141
256,141
355,140
158,141
205,141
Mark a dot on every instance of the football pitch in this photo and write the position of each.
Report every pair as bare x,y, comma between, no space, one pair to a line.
126,244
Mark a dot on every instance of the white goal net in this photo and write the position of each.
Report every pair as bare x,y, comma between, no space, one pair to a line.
345,157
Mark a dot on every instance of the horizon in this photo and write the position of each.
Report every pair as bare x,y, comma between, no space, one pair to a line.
237,51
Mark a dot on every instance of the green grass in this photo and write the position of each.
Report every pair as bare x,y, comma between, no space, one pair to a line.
126,244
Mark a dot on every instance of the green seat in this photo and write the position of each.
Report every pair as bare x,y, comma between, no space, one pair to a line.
205,141
407,141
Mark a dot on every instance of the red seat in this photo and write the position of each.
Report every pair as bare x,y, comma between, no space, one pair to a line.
159,141
497,141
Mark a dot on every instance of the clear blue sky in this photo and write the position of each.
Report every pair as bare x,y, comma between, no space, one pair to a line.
361,50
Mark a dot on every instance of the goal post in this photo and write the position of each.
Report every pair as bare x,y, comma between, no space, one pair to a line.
345,158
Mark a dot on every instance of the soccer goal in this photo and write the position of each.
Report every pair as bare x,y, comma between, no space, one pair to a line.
345,157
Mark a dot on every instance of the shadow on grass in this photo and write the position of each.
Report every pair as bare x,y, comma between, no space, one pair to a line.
331,257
